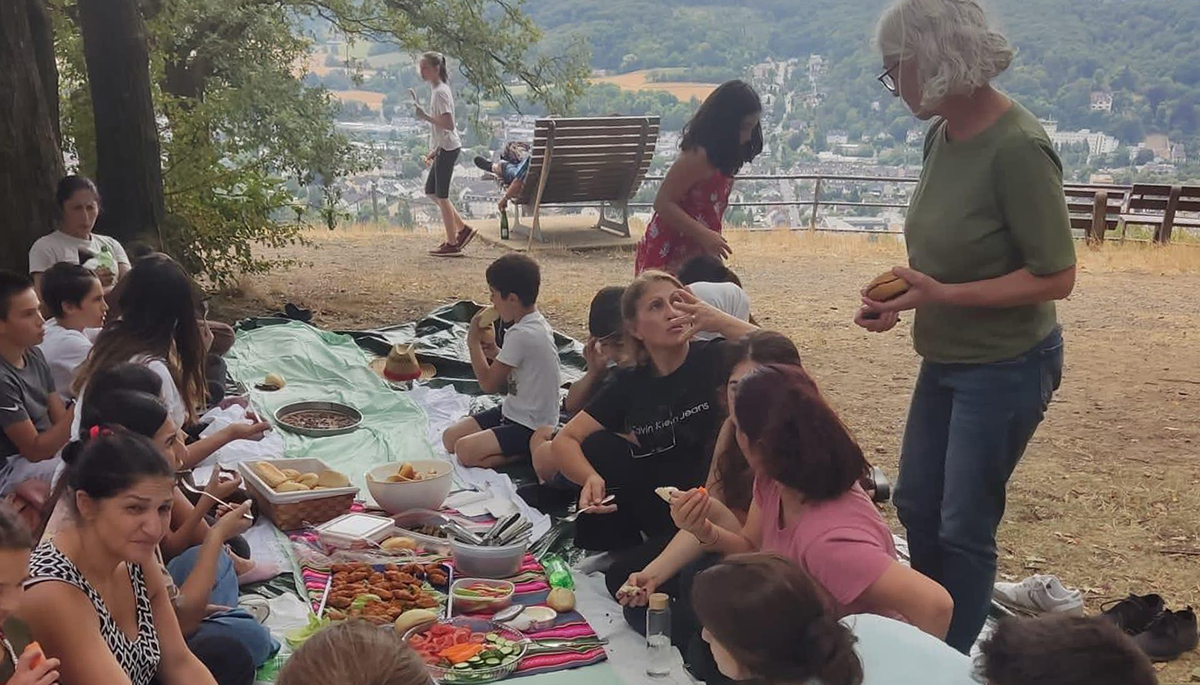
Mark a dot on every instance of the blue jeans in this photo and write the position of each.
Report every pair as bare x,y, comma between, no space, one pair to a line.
968,426
236,623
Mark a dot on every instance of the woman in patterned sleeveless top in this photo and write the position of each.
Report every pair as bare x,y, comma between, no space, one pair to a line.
723,135
95,598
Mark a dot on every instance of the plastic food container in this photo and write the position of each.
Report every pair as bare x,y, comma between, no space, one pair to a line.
483,604
355,530
534,619
474,674
408,523
487,562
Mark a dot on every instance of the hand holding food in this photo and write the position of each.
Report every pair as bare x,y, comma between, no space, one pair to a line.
668,493
249,431
884,287
690,510
220,487
33,668
907,289
593,494
234,522
637,589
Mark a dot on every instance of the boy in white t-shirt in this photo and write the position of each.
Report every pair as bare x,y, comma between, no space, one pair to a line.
713,283
527,365
76,302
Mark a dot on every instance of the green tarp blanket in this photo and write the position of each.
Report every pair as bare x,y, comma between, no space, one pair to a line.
323,365
319,365
441,340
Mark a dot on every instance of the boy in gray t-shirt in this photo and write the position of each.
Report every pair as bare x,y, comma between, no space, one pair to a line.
34,424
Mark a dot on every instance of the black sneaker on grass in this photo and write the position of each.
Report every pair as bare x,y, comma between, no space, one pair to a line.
1169,636
1135,613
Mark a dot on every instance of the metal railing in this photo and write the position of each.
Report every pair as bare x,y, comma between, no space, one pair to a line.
815,202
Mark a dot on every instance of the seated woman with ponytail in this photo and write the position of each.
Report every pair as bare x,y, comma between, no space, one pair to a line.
95,598
777,630
808,504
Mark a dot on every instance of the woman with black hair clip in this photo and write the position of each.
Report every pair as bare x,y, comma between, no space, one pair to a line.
722,136
95,598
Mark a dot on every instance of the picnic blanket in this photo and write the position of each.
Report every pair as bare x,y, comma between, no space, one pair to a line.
331,366
319,365
440,338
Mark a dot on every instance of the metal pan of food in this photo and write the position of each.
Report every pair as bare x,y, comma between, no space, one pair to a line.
318,419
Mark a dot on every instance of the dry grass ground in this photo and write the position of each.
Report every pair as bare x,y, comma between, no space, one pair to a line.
1108,494
636,80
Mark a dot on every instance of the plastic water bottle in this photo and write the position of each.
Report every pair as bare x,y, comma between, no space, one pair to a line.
658,636
557,572
504,224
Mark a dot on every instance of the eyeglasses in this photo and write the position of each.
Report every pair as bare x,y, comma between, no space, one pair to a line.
889,81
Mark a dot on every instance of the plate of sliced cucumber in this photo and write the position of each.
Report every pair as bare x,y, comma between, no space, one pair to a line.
468,650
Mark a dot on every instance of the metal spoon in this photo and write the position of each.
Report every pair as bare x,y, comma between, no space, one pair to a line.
606,500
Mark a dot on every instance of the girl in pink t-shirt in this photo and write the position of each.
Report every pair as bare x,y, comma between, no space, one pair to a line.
809,507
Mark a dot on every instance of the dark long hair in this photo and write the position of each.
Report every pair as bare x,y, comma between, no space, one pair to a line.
716,127
803,444
69,185
110,461
134,406
66,282
775,623
733,473
159,318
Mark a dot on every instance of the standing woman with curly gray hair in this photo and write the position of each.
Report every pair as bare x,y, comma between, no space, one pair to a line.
990,250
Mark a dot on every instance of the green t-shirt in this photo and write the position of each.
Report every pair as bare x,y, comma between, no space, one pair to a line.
983,208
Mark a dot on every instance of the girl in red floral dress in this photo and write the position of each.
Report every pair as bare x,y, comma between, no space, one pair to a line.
723,135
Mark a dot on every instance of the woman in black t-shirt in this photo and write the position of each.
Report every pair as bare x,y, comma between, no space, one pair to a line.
654,424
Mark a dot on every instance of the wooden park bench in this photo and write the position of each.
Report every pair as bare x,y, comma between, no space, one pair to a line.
1095,209
1159,205
587,160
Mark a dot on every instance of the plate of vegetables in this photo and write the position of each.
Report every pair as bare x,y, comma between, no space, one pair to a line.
468,650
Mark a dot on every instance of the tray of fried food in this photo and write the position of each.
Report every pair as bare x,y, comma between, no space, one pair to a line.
379,593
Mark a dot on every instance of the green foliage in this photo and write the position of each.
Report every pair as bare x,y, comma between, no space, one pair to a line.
1145,54
238,127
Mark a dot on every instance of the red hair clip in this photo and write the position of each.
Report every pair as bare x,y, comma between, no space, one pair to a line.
97,431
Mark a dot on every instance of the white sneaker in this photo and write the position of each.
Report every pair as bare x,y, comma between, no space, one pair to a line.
1040,594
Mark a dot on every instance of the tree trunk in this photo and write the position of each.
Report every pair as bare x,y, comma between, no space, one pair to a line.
30,159
128,161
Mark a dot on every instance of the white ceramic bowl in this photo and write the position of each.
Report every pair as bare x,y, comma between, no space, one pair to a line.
428,493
